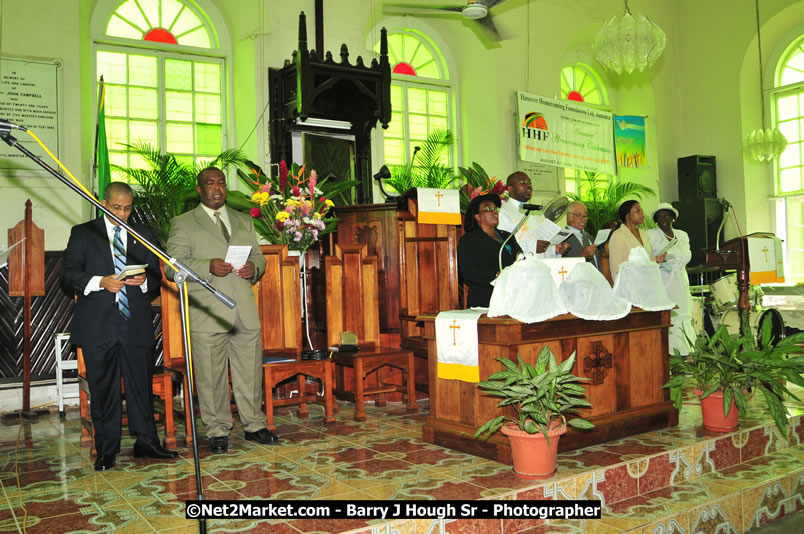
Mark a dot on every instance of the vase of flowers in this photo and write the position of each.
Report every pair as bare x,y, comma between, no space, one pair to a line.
292,211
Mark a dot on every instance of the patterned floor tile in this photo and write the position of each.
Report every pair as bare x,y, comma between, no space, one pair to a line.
721,517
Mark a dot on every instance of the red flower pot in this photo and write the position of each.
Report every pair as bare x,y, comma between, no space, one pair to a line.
533,457
714,418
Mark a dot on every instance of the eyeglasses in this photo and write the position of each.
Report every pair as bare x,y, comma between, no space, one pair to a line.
579,216
489,209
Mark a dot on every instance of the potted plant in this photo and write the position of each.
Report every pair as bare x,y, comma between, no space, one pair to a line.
427,167
723,370
541,395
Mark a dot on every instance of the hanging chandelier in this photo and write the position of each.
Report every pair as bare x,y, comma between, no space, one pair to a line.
763,144
629,43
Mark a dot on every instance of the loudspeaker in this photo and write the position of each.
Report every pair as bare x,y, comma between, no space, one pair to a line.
696,177
700,218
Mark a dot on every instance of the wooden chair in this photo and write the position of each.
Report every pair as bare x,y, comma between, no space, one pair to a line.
352,305
278,300
162,387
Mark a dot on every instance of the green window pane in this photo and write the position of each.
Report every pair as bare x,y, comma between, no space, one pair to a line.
209,138
178,106
794,69
137,162
208,108
178,74
130,11
418,126
116,101
198,38
179,138
438,102
112,66
143,132
117,27
142,70
142,103
395,126
170,9
118,158
790,180
184,160
437,123
396,98
417,100
186,21
208,77
394,48
570,186
791,157
116,133
394,152
204,161
787,107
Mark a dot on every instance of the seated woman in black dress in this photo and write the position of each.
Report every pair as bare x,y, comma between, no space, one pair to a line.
479,248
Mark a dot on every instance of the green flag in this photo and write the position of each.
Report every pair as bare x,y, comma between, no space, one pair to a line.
103,173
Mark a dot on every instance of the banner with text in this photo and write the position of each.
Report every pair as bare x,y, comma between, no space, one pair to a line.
629,137
565,134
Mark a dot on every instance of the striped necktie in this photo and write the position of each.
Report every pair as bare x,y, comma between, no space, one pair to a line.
222,226
119,265
586,241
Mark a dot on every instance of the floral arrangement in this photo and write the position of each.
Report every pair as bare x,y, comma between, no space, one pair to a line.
292,211
478,182
492,187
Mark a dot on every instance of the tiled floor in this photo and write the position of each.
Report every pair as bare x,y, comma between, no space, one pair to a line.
681,479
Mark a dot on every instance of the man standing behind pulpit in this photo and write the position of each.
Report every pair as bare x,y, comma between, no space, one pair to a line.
520,190
223,338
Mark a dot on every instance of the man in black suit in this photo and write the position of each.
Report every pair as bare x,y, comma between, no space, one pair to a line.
113,325
580,242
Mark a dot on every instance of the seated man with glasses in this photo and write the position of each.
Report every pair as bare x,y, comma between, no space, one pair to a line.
581,244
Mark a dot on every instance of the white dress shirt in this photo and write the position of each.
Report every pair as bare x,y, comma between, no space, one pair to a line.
224,215
511,213
94,282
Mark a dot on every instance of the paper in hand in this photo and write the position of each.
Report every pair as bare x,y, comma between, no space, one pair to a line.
237,255
560,237
546,230
670,244
601,236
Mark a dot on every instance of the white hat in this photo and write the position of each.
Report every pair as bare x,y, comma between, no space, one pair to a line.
664,206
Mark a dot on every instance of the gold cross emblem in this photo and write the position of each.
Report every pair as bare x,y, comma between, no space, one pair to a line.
454,327
562,272
765,252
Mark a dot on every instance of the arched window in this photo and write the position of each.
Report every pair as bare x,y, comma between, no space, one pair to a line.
421,95
788,102
580,83
164,84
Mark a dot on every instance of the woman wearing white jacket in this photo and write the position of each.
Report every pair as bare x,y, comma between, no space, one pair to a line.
674,274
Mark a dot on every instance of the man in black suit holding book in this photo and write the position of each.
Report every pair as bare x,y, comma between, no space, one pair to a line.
113,325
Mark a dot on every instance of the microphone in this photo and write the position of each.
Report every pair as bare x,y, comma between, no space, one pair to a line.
8,125
532,207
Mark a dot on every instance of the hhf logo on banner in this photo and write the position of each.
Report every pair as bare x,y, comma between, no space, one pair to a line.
564,134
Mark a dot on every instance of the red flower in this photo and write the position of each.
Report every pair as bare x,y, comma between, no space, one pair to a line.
296,191
254,212
499,188
283,175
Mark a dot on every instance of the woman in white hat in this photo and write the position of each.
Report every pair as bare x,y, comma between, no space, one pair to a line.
674,273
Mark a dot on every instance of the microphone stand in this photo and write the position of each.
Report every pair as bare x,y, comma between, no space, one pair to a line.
528,208
183,274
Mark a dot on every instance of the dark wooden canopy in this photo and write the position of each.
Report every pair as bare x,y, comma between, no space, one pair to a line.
309,86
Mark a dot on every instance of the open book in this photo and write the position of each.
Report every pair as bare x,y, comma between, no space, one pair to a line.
130,270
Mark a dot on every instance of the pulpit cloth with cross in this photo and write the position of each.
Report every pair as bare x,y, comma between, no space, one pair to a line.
456,344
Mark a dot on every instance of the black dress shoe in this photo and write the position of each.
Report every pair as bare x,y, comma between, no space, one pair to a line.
104,462
153,450
219,444
264,436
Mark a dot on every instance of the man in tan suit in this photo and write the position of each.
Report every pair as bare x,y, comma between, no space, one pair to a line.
219,335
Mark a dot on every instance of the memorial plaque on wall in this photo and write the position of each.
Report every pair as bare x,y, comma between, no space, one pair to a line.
29,96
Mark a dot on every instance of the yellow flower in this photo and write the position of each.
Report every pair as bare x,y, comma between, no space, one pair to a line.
256,196
282,216
329,203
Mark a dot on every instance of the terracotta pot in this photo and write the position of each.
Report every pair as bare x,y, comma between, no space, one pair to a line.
533,457
713,416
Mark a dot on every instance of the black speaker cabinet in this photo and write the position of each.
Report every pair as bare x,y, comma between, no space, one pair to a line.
697,177
700,218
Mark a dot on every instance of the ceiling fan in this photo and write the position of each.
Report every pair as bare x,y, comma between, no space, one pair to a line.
476,10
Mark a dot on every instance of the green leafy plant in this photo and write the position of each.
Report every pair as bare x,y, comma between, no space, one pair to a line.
602,200
289,193
166,187
427,168
739,365
540,395
476,177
